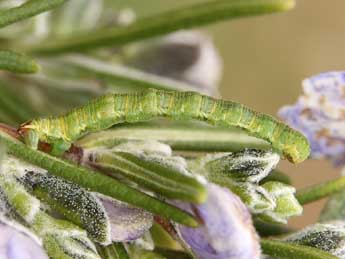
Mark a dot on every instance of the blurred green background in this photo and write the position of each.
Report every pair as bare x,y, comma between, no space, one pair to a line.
266,58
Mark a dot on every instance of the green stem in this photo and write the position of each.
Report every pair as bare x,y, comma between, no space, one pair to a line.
319,191
181,138
94,181
184,18
292,251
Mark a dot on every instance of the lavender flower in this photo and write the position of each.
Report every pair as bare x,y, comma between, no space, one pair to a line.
127,223
227,230
14,244
320,115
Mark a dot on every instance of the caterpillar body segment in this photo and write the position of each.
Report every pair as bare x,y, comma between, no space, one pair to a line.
111,109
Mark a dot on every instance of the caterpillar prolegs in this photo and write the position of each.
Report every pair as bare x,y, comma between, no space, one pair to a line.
61,131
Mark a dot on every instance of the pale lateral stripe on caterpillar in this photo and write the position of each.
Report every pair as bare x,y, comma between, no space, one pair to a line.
111,109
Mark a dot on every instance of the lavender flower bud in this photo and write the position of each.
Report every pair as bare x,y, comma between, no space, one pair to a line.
256,198
286,204
319,114
73,202
16,244
241,172
249,165
104,219
127,223
328,237
227,231
187,56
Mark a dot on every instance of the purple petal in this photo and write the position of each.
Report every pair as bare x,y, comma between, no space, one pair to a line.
127,223
14,244
320,115
227,232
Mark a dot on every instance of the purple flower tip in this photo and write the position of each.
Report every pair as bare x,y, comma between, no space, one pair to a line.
127,223
320,115
14,244
227,232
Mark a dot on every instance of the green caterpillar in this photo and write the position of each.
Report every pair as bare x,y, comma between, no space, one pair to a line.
61,131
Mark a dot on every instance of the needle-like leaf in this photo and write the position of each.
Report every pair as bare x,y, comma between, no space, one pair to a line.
16,62
181,138
185,18
293,251
28,9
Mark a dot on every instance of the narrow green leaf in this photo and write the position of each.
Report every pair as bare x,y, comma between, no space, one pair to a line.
28,9
16,62
181,138
161,238
292,251
162,179
121,76
185,18
13,106
95,181
266,229
277,176
319,191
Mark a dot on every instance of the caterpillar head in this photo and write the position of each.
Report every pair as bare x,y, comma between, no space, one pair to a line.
297,150
29,134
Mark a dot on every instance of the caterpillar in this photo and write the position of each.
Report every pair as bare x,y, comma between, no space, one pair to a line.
103,112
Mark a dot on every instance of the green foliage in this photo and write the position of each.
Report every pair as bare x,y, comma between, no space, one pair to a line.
293,251
26,10
94,181
138,176
184,18
16,62
152,170
185,137
113,251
